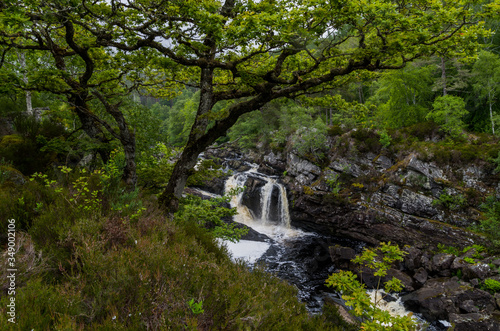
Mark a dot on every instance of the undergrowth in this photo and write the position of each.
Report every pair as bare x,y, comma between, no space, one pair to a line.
97,257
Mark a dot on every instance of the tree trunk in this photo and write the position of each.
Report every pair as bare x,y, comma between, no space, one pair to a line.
183,168
89,126
443,75
491,112
22,61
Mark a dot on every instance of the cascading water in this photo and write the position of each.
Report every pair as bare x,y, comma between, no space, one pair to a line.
266,210
301,258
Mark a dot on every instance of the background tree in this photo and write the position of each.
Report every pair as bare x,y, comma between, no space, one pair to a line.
486,80
79,69
448,111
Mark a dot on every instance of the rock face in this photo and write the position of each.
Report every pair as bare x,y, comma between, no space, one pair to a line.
376,198
405,200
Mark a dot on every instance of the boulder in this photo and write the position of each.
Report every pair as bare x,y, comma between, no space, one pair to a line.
478,270
417,204
412,260
473,322
497,300
441,263
420,276
482,301
437,299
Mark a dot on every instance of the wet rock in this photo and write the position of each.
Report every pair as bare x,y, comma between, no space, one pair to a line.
497,300
437,299
442,262
372,282
478,270
252,195
474,322
412,259
482,300
420,276
341,256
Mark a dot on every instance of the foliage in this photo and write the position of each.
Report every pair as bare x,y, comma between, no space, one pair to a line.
385,139
311,141
490,225
450,202
210,214
486,79
154,166
333,183
470,260
354,291
491,285
110,271
403,96
196,307
448,112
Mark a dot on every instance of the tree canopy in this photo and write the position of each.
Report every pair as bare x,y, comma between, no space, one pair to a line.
243,54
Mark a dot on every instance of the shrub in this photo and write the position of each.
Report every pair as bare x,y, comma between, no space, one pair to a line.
491,285
354,291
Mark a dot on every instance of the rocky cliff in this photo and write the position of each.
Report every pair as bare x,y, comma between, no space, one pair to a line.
415,200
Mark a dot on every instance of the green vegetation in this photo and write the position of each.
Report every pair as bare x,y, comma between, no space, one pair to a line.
91,258
491,285
353,291
102,123
490,225
478,249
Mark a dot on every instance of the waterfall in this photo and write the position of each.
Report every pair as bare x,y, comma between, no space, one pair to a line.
264,206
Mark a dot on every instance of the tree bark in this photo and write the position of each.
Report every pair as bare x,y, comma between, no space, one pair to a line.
183,168
22,61
491,112
443,76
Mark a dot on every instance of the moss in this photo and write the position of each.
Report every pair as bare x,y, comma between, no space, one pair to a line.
308,190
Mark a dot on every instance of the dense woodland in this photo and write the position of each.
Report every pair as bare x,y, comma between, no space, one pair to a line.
105,107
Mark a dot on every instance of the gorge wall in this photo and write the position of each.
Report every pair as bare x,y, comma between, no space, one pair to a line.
399,196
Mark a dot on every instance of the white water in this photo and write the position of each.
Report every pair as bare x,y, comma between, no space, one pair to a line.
246,250
396,308
276,229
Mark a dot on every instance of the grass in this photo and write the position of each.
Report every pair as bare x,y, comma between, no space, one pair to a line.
107,270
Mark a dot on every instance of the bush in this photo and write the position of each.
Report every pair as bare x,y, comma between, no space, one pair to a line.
491,285
354,291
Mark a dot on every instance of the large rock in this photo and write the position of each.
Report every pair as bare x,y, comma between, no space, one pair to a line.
297,166
474,322
372,282
441,264
417,204
437,299
478,270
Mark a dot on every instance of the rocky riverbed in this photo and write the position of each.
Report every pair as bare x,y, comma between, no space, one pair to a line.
378,198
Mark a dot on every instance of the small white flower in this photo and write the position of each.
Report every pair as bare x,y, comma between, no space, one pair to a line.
114,317
136,242
129,315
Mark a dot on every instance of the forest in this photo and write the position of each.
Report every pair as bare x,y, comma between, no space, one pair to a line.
107,105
